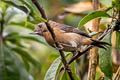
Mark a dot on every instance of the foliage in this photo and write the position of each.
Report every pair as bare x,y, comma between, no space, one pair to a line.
92,15
28,7
105,58
53,70
16,60
11,45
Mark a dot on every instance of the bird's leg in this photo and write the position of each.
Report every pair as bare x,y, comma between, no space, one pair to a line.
74,52
65,45
58,48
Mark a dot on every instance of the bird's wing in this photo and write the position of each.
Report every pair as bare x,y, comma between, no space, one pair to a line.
67,29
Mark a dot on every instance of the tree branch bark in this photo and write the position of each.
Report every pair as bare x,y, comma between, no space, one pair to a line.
117,75
94,52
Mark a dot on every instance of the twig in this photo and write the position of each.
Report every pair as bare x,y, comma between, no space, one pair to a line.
1,46
1,26
90,46
67,68
117,75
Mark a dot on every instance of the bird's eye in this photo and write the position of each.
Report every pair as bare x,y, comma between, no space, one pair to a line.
40,25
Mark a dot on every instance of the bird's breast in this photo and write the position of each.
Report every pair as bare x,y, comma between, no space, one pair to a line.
48,38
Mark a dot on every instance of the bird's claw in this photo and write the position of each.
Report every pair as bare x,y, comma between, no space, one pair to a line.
60,47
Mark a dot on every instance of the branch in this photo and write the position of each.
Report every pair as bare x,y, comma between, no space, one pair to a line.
90,46
1,27
117,74
109,29
93,61
67,68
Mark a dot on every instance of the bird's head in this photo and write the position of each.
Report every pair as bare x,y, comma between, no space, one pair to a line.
40,29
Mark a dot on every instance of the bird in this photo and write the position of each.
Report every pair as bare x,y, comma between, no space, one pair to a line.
70,38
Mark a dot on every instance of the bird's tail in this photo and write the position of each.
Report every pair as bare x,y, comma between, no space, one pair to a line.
100,44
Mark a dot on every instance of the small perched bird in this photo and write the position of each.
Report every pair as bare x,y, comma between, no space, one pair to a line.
69,37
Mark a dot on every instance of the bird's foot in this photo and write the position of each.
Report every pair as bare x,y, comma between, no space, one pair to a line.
60,47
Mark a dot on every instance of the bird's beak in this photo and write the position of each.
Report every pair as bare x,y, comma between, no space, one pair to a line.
35,32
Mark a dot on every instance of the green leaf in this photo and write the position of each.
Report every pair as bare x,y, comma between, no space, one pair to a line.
105,58
28,7
73,69
18,19
65,76
2,63
19,4
15,18
91,16
33,38
98,76
27,56
26,63
53,70
34,11
14,40
27,25
11,34
9,15
3,7
0,17
27,37
116,4
17,42
11,67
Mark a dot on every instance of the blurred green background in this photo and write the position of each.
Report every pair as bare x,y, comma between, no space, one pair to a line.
28,56
18,40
